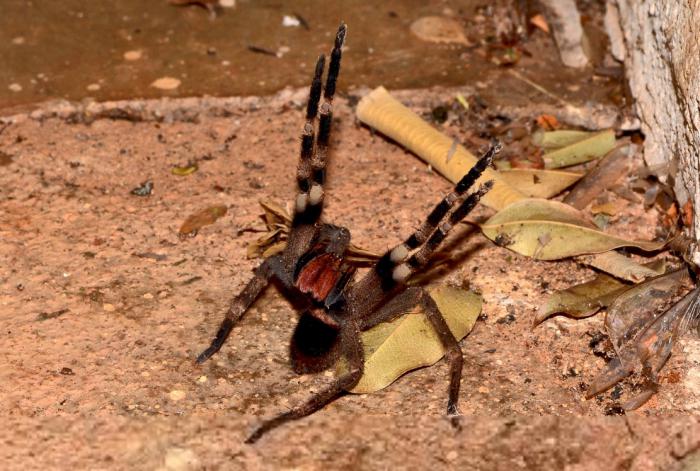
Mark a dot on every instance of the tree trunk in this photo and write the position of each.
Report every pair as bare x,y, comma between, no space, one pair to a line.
659,42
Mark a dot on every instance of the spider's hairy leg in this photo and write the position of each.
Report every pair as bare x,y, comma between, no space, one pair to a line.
308,136
397,306
309,202
240,304
453,355
352,347
401,304
421,258
436,216
393,268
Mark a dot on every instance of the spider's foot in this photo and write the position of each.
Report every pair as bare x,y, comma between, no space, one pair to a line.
260,431
455,417
255,436
205,355
218,341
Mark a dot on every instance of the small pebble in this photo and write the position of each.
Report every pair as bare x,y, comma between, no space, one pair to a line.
290,21
147,296
166,83
451,456
202,379
180,459
177,395
18,40
15,87
133,55
93,87
108,307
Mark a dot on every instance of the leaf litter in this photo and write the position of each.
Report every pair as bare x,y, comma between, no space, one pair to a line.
543,229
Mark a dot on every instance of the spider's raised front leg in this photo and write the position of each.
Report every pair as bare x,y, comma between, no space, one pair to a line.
352,347
241,303
312,164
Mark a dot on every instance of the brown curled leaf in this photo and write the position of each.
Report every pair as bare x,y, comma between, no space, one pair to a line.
583,300
202,218
642,324
606,173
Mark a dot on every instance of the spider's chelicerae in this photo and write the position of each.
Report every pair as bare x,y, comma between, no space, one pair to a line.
313,267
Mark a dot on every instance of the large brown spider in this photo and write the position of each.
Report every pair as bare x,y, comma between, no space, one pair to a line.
313,268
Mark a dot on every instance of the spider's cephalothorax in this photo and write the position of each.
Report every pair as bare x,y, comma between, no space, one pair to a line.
336,307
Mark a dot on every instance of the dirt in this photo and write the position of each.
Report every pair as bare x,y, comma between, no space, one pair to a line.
79,50
105,308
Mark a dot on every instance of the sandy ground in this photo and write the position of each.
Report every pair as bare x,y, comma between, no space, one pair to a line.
104,309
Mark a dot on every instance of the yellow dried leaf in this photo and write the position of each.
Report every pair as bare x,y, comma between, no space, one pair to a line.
384,113
410,342
184,171
549,230
558,139
536,183
616,264
590,148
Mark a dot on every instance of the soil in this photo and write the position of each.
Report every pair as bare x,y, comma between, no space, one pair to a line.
105,307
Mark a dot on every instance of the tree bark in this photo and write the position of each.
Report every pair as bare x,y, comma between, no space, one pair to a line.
659,43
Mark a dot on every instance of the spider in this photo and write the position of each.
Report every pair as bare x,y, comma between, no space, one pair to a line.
313,269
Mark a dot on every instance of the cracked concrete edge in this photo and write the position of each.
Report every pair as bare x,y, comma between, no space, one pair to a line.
589,115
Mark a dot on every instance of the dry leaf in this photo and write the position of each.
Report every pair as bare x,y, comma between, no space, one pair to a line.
202,218
611,208
582,151
535,183
547,121
278,223
539,22
438,29
616,264
606,173
410,342
184,171
558,139
642,324
687,214
583,300
549,230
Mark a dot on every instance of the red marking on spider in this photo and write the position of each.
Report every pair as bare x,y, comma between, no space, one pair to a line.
319,276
